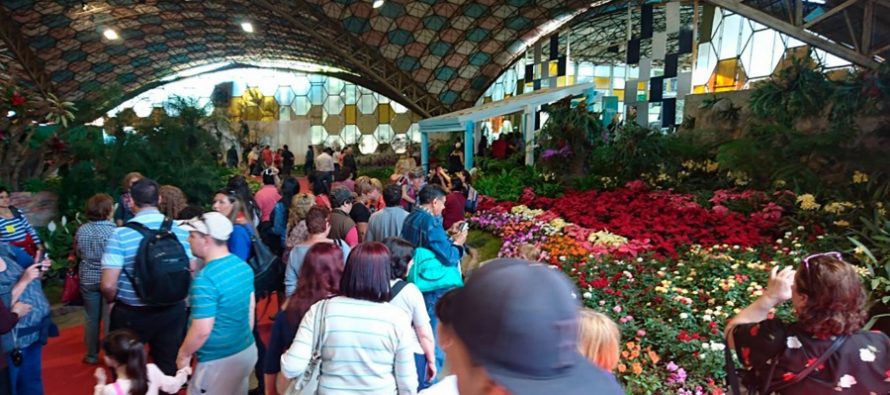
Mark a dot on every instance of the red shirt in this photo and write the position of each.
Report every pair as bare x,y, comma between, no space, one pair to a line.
455,205
267,157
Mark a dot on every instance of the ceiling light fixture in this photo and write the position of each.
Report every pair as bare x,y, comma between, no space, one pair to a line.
110,34
378,3
247,27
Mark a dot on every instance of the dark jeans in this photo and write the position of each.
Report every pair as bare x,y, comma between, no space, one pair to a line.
261,355
26,379
420,362
162,328
96,311
5,385
430,298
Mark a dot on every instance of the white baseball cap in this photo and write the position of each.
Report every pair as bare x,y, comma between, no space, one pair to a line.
212,224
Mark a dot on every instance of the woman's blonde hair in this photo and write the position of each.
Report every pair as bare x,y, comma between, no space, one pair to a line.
299,206
599,339
172,201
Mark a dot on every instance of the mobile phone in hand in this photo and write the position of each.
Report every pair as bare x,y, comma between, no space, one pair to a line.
464,226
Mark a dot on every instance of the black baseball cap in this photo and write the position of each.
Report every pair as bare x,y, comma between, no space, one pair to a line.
519,320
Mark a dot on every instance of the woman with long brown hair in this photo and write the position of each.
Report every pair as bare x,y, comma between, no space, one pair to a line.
319,278
825,350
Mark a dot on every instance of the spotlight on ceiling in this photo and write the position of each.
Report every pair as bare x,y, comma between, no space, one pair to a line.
110,34
247,27
378,3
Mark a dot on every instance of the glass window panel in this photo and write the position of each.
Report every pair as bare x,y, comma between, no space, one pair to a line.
367,104
618,83
318,134
317,94
602,71
729,41
367,144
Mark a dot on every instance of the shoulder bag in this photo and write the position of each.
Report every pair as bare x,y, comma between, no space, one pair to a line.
308,383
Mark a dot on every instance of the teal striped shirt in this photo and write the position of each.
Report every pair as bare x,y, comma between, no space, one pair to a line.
222,290
366,348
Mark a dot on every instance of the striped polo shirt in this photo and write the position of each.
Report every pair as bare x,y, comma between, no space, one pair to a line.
120,252
222,290
16,228
366,348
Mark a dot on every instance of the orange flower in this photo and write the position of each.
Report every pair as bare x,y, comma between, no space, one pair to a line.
653,356
637,368
622,368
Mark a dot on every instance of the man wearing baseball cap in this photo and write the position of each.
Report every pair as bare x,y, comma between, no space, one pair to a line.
222,305
515,327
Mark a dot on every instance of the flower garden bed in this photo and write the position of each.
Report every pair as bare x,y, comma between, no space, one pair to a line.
667,269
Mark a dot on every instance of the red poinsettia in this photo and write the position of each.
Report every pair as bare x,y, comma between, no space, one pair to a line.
17,99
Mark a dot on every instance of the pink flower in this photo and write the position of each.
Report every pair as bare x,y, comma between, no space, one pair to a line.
641,333
616,309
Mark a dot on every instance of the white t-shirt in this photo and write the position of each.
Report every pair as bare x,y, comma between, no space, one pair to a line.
157,380
446,386
410,300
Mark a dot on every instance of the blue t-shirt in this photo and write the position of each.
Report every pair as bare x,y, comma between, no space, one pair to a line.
120,252
222,290
239,242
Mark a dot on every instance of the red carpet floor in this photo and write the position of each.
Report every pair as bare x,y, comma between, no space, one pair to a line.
64,373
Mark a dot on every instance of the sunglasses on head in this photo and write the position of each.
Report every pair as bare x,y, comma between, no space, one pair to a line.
831,254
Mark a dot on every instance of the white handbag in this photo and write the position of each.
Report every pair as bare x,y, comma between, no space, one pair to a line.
307,384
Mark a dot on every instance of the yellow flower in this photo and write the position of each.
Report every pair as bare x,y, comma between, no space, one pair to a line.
606,239
808,202
859,177
711,167
842,223
838,207
689,164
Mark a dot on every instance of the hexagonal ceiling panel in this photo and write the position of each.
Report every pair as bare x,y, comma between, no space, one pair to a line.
159,39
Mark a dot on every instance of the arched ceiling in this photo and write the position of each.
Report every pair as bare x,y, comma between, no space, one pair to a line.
434,56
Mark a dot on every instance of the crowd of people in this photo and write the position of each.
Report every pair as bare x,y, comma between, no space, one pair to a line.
372,297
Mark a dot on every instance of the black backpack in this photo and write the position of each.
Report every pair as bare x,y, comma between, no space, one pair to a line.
268,273
161,272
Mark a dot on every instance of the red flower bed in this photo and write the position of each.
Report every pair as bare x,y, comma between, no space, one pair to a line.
666,219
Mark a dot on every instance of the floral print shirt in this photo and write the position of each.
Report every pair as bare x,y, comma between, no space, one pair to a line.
860,366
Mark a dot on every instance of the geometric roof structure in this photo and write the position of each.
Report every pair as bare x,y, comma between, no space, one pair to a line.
433,56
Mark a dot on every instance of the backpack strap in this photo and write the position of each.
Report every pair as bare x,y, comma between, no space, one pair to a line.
16,212
399,285
139,227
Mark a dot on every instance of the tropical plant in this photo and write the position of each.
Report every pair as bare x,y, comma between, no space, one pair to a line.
31,134
872,245
799,90
568,137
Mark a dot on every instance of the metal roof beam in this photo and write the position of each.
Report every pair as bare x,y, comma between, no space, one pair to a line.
30,63
829,13
401,87
797,32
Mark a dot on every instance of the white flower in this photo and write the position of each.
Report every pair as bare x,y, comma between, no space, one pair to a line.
587,295
866,355
718,346
706,318
793,342
51,226
684,316
706,346
846,381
